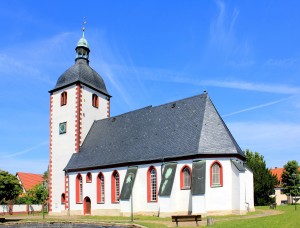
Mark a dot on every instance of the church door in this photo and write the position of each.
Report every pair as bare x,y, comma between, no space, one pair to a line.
87,206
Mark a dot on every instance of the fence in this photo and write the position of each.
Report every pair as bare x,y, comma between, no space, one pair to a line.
20,209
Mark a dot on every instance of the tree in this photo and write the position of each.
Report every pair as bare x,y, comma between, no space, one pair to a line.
264,181
290,182
10,187
37,195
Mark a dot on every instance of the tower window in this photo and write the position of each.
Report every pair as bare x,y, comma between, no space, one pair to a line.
95,101
63,198
63,98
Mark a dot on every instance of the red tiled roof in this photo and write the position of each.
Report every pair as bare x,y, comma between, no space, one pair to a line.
278,172
29,180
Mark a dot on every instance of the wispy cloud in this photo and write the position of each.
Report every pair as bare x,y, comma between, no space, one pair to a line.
271,139
258,106
26,150
269,88
288,62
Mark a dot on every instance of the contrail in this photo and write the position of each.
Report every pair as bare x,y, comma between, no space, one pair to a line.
27,150
258,106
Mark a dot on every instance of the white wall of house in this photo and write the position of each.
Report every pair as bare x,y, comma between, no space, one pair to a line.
230,198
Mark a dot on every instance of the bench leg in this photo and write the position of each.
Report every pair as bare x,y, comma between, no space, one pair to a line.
197,222
176,222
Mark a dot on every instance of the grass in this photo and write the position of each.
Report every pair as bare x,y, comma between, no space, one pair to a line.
287,217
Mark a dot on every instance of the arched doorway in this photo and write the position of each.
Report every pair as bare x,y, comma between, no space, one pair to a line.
87,206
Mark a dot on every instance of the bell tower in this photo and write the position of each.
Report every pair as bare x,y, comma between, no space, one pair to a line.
78,99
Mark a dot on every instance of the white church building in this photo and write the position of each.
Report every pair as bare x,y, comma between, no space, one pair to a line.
175,158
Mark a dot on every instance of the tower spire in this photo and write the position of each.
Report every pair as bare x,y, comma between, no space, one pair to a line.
83,26
82,48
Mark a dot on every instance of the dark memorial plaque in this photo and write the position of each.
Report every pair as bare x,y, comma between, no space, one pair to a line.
167,180
198,177
128,182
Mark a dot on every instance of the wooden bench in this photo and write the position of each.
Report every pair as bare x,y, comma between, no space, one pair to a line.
273,206
186,218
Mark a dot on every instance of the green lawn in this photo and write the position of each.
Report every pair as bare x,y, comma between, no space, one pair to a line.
289,218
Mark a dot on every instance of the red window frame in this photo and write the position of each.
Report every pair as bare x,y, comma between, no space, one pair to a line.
182,178
63,198
220,174
95,101
100,188
79,188
115,187
63,98
151,195
89,177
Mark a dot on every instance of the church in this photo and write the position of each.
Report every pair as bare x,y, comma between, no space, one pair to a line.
175,158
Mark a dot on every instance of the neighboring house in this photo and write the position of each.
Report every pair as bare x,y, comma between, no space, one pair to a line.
281,197
175,158
29,180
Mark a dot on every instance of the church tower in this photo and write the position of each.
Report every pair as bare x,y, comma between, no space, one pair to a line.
78,99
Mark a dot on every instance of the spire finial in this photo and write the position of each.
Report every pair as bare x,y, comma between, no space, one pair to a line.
83,24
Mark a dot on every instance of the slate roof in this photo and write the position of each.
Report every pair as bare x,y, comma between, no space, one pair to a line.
29,180
81,72
191,126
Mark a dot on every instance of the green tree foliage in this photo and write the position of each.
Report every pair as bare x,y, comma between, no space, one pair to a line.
264,181
37,195
291,182
10,187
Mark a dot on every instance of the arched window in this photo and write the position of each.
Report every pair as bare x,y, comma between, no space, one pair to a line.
88,177
95,101
79,189
152,184
216,174
100,188
63,198
185,177
115,187
63,98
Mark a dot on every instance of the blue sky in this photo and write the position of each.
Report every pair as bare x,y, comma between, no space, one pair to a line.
246,54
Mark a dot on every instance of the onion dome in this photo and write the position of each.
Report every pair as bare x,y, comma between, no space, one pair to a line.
81,72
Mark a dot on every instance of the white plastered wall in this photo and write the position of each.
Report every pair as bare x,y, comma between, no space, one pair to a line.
63,145
216,200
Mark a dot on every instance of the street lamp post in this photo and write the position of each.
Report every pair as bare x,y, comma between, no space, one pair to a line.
131,181
294,175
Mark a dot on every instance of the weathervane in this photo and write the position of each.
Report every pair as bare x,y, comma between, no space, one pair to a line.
83,24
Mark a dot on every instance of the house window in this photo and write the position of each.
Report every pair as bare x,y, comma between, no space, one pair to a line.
216,174
100,188
88,177
79,189
152,185
95,101
185,177
282,192
63,98
63,198
115,187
